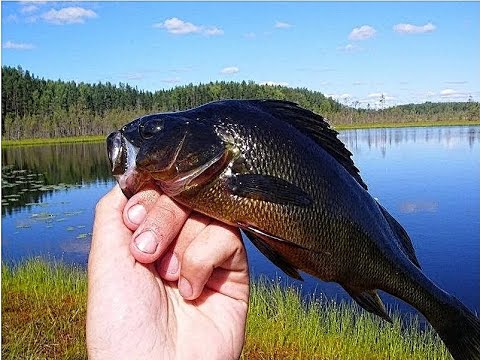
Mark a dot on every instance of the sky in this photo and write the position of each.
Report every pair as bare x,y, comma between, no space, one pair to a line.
352,51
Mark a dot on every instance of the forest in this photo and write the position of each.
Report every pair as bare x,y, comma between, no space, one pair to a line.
33,107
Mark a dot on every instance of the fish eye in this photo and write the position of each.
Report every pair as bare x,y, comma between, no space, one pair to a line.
150,128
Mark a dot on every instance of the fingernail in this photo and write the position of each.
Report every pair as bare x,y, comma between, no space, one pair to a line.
185,288
146,242
136,214
170,264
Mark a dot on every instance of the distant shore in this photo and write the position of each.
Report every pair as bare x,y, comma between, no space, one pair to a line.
101,138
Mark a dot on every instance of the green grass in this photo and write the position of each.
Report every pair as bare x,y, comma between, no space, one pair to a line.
44,306
282,325
426,123
43,311
60,140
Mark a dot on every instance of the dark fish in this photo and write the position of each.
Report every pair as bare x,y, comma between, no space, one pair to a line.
279,173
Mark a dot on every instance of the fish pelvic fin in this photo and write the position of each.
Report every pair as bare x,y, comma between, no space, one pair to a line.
403,239
261,242
369,300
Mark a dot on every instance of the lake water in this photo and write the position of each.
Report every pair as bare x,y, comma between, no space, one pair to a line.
428,178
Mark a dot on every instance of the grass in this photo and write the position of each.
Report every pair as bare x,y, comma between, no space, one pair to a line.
282,325
376,125
43,311
44,306
49,141
379,125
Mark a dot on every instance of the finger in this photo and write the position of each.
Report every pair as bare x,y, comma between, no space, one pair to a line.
216,247
108,212
110,238
139,205
169,265
161,226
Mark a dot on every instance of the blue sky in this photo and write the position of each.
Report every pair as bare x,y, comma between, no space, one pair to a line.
353,51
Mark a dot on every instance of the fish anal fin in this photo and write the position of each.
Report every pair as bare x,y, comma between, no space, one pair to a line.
267,188
369,300
404,240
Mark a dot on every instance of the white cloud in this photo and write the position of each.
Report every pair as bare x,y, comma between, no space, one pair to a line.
17,46
69,15
177,26
414,29
213,31
350,48
250,35
362,33
274,83
230,70
28,9
452,93
282,25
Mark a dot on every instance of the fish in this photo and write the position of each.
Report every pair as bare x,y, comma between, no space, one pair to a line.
279,173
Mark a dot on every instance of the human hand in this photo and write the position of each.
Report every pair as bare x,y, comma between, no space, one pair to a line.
135,310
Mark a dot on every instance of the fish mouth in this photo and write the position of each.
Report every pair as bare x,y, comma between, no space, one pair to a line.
122,155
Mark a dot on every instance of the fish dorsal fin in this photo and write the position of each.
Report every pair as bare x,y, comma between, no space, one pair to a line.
404,240
315,127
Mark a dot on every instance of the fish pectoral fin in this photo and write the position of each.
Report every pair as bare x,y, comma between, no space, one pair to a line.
369,300
273,255
268,188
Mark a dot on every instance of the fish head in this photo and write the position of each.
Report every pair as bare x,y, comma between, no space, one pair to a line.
169,150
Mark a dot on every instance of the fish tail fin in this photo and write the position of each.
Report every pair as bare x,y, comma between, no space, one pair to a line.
456,325
460,331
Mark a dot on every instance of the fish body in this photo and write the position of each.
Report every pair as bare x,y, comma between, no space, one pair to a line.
279,173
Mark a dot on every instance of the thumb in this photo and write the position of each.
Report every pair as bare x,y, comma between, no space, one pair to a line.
111,237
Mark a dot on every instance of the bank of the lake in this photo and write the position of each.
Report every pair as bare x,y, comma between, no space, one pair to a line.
376,125
51,141
44,307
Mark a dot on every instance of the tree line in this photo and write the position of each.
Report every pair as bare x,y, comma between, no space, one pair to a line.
33,107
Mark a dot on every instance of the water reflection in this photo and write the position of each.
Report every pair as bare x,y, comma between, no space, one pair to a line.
384,139
31,174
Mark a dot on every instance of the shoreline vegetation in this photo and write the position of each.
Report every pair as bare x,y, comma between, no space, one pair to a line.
101,138
44,307
33,107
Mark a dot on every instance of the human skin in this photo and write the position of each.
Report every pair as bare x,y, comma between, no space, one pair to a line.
184,296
